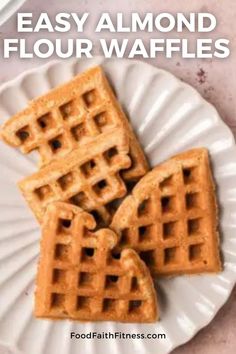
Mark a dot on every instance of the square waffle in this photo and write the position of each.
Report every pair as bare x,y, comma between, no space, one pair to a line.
88,177
78,277
70,116
171,217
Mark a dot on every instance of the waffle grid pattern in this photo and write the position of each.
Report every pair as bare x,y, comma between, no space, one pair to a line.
59,131
172,227
84,280
88,178
70,116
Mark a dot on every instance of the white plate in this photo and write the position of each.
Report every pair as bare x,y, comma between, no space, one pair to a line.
168,117
8,8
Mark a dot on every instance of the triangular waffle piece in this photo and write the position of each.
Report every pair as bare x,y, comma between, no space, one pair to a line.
78,277
171,217
70,116
88,177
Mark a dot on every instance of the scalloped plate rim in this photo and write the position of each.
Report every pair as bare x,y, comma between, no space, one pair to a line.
43,68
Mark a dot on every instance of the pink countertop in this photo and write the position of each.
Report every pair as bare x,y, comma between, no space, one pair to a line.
214,79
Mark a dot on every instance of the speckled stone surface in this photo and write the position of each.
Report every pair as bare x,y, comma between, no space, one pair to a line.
214,79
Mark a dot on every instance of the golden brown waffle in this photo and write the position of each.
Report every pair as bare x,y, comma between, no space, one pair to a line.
171,217
70,116
88,177
79,278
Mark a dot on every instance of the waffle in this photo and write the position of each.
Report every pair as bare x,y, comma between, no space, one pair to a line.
88,177
70,116
171,217
78,277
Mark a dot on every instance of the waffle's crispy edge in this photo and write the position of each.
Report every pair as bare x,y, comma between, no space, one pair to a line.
129,265
126,222
52,103
109,170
